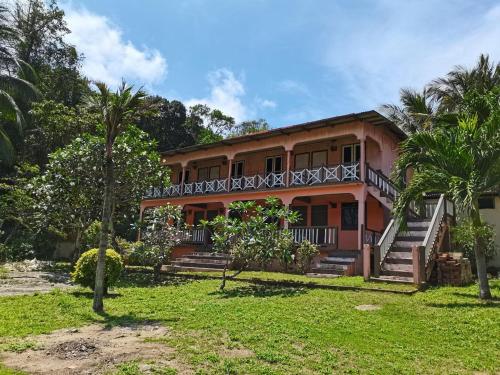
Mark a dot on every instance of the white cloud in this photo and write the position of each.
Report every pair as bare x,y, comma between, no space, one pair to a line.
108,56
226,93
266,103
290,86
407,44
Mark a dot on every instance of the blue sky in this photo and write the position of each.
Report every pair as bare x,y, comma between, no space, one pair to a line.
287,61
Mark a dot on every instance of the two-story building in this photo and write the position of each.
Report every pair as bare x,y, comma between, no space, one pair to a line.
332,171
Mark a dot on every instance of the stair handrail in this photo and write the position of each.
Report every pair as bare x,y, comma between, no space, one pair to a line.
431,235
387,239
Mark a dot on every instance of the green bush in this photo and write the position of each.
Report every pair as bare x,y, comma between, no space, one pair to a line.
90,237
305,253
85,267
136,253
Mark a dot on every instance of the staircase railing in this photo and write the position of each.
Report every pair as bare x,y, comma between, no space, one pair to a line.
382,182
316,235
384,244
443,208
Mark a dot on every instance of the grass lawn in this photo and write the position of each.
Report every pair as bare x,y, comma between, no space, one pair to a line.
283,330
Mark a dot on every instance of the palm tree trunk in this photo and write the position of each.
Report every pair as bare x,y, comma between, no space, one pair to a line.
104,236
484,287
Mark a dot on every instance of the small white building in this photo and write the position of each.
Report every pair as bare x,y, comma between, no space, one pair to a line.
490,211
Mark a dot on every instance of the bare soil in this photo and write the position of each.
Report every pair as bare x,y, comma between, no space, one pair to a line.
30,277
95,349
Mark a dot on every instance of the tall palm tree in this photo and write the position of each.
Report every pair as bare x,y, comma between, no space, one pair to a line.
117,110
450,91
416,112
15,77
461,161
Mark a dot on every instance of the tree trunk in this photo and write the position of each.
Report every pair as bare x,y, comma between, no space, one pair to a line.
484,287
76,253
104,236
223,282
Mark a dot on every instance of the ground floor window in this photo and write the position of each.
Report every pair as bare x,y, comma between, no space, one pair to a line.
302,211
349,218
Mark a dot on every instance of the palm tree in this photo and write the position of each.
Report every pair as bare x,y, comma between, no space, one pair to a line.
15,76
416,112
117,111
451,90
461,161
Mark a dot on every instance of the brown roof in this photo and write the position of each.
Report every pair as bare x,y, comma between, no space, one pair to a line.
370,116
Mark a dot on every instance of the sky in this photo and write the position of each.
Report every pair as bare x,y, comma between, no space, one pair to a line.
287,61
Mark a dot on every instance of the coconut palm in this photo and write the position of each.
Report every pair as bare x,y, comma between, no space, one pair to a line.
15,76
461,161
416,112
117,110
451,90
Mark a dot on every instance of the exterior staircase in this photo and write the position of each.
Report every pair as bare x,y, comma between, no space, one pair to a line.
200,262
337,263
398,263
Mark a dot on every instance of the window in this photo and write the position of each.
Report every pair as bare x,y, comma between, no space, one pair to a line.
302,161
198,217
486,202
237,169
319,158
351,153
208,173
319,216
273,164
214,172
349,216
302,211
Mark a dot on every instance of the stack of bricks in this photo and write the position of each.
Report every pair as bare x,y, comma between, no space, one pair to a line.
453,270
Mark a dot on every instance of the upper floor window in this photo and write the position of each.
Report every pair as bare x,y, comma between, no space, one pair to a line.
311,160
208,173
351,153
274,164
186,177
237,169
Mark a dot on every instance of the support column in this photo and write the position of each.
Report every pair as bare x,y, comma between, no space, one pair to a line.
361,216
183,177
285,222
288,159
229,174
362,159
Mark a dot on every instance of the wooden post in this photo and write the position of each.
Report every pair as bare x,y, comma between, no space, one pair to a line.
362,159
418,258
366,261
376,261
183,177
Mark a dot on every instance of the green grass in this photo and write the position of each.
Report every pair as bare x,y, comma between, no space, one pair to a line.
256,329
3,272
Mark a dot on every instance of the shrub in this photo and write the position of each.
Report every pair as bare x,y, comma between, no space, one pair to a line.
136,253
306,251
465,235
90,237
85,267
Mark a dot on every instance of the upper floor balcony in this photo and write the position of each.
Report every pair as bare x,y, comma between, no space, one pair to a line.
329,151
328,174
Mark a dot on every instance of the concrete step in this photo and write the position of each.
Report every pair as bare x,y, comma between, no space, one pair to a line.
397,267
413,223
400,237
414,232
198,264
332,266
191,269
406,243
393,279
400,249
341,260
401,255
201,260
322,275
207,255
329,271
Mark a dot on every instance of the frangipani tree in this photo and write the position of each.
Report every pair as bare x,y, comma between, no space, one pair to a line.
117,110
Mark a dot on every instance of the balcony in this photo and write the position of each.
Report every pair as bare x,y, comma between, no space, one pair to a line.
322,236
333,174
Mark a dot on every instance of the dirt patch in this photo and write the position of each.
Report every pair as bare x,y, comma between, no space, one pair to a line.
95,349
31,276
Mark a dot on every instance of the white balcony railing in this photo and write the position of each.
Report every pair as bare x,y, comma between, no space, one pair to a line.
316,235
194,236
303,177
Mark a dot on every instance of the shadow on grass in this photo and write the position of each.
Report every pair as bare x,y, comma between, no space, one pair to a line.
260,291
90,295
141,280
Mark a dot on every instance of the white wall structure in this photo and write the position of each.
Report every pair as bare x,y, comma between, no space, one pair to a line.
492,216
